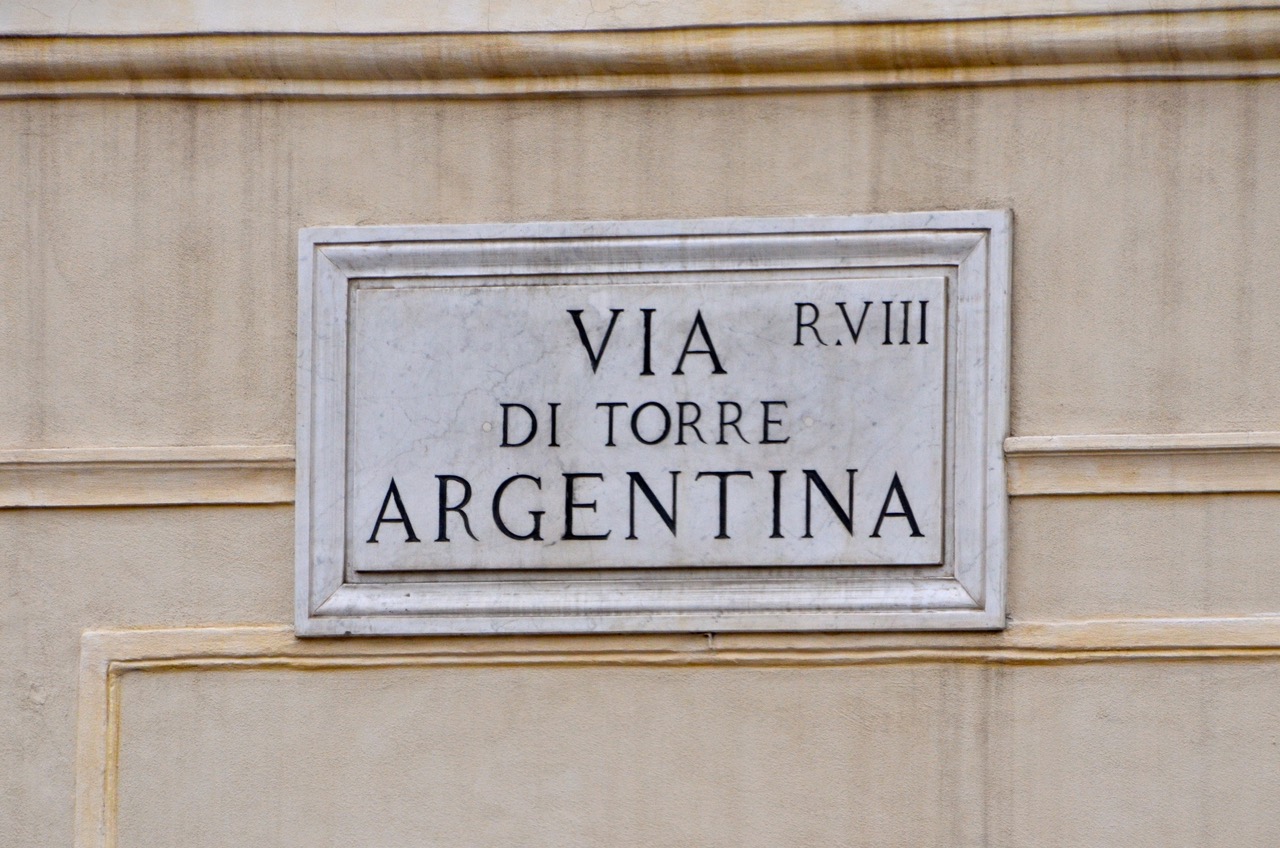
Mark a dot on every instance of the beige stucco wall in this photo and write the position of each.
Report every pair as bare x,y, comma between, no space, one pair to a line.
149,297
161,233
1141,754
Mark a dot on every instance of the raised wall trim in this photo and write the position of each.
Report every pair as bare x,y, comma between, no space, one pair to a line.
146,476
1188,463
107,656
137,17
1202,44
1127,464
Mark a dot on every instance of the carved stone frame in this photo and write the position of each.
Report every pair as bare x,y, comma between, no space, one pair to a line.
971,248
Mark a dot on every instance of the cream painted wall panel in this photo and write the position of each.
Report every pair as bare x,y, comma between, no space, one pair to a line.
1151,754
560,757
1115,754
149,307
154,268
67,570
1153,555
149,300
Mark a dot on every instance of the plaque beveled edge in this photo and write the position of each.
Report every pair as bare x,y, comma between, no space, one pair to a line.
977,243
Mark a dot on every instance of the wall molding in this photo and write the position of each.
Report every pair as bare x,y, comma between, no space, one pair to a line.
107,656
1189,463
1126,464
158,17
147,476
1205,44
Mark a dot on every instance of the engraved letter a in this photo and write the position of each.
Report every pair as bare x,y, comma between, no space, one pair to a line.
393,494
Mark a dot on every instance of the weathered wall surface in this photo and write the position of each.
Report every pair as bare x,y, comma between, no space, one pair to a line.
900,755
149,300
161,233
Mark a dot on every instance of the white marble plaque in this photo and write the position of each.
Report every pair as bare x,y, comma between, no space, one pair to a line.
698,425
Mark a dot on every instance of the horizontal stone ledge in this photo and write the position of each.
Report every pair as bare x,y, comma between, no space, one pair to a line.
147,476
158,17
1124,464
1190,463
1192,44
1082,640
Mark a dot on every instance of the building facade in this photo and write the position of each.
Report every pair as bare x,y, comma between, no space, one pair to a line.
160,161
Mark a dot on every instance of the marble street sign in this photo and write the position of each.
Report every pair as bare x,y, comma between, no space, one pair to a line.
741,424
